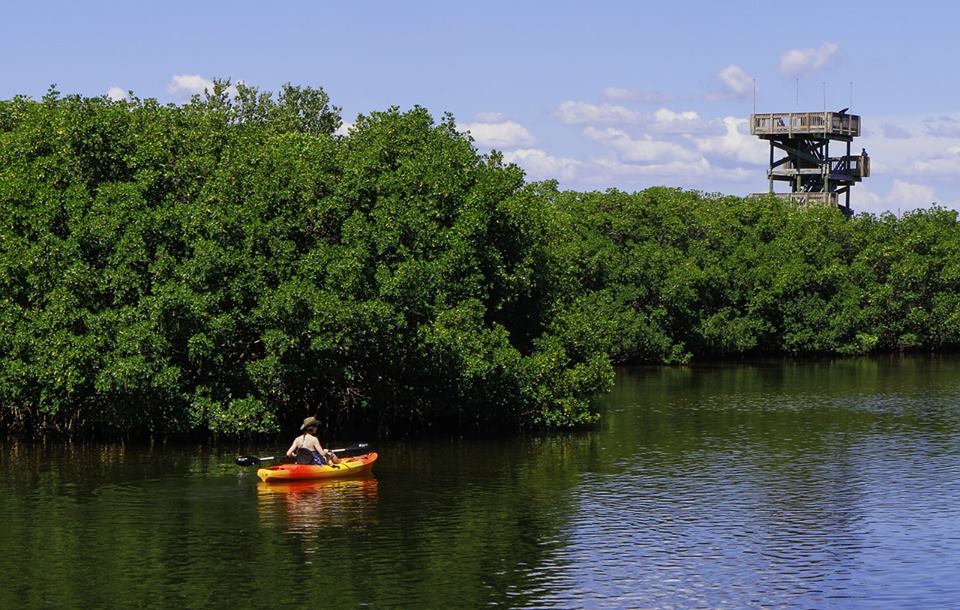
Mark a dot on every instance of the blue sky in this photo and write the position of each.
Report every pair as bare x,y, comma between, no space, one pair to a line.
598,94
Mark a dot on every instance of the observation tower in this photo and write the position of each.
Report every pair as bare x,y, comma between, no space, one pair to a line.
802,140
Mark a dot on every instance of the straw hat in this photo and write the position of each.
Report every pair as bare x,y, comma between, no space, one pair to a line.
310,421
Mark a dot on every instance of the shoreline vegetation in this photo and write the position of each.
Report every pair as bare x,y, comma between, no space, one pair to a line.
235,263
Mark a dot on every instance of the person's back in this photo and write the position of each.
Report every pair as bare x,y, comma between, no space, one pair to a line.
307,448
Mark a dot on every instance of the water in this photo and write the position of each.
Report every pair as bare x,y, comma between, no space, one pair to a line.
797,485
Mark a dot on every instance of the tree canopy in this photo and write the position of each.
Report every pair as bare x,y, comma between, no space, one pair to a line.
232,263
239,261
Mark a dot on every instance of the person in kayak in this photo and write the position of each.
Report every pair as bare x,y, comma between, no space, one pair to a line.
307,448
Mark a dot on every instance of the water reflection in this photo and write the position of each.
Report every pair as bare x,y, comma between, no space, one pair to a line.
306,506
825,484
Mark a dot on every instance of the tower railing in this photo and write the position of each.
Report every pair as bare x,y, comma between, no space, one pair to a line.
806,198
805,123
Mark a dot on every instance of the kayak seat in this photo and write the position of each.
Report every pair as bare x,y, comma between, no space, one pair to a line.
305,456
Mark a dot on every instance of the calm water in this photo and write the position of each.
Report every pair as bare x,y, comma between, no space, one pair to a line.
815,485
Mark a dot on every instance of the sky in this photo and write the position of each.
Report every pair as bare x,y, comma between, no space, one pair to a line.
601,94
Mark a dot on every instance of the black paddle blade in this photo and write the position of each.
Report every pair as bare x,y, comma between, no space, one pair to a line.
247,460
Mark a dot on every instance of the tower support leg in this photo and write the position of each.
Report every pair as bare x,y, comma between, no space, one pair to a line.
770,171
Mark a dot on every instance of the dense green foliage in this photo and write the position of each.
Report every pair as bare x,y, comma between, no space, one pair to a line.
666,276
232,264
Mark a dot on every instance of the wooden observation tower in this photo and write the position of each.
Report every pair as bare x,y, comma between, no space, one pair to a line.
803,141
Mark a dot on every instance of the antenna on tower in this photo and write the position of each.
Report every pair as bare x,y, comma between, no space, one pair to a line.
797,102
851,94
824,96
754,96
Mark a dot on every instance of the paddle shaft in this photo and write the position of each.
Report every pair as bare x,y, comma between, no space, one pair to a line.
249,460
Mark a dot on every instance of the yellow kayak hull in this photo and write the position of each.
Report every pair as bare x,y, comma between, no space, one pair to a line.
347,467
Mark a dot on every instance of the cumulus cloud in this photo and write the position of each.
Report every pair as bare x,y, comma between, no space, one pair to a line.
640,150
194,84
541,166
585,113
667,121
939,165
903,196
735,81
910,194
680,159
116,93
633,95
191,84
736,143
797,62
618,168
611,170
344,129
662,121
665,115
499,134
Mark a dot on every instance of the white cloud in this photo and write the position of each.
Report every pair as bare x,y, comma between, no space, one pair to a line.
735,81
928,150
344,129
585,113
116,93
607,171
665,115
664,120
633,95
194,84
903,197
735,143
503,134
668,121
797,62
648,157
909,194
616,167
683,147
640,150
191,84
612,170
940,165
541,166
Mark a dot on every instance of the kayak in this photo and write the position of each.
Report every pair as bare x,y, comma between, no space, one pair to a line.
348,467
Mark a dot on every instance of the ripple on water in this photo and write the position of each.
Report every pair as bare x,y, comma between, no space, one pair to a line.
719,529
776,486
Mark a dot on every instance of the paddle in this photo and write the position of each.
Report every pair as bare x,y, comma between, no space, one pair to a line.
250,460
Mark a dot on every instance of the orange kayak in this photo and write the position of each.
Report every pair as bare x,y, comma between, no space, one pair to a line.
348,467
